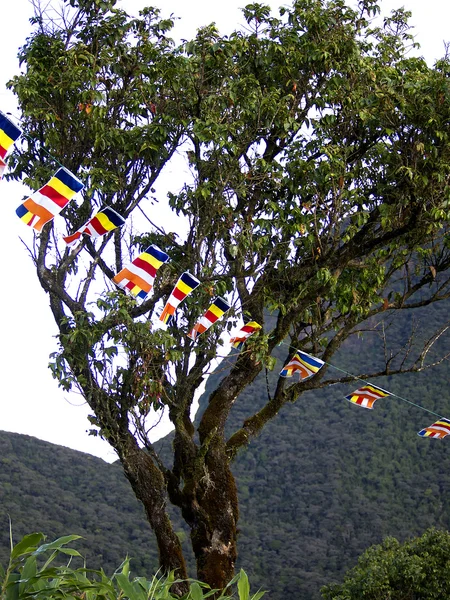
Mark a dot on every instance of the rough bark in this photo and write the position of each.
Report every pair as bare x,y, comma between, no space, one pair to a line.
212,513
149,487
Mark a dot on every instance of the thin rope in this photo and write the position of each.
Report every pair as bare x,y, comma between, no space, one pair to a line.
389,392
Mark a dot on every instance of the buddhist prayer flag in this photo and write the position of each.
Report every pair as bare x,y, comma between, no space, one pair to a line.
244,333
47,202
139,276
104,221
367,396
9,133
440,429
305,364
185,285
217,309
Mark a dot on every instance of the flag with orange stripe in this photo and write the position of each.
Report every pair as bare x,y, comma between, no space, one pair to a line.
439,430
50,199
303,364
139,276
104,221
184,286
367,395
217,309
244,333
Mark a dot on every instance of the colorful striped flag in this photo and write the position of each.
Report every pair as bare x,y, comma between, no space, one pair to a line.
184,286
440,429
244,333
9,134
366,396
217,309
305,364
139,276
47,202
104,221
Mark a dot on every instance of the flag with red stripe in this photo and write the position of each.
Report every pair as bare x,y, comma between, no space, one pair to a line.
9,134
244,333
139,276
50,199
104,221
367,395
184,286
217,309
439,430
303,364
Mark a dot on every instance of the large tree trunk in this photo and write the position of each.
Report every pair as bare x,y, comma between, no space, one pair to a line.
149,487
212,514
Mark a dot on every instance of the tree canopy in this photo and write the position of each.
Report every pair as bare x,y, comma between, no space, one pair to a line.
319,202
416,569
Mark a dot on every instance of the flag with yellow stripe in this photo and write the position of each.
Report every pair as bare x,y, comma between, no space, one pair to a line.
104,221
9,134
139,276
438,430
186,284
367,395
50,199
217,309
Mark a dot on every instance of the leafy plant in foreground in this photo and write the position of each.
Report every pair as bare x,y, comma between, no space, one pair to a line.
35,571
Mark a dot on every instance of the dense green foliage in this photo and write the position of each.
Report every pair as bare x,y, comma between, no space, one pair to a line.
415,570
319,202
34,570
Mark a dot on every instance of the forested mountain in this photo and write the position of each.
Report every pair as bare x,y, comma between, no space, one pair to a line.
325,479
55,490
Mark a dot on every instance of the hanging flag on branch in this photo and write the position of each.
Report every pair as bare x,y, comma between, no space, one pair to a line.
9,134
217,309
184,286
49,201
305,364
104,221
139,276
244,333
440,429
366,396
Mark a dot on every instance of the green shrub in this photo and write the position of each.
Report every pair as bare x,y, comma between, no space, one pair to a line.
34,571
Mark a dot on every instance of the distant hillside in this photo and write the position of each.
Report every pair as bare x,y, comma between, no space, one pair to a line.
325,480
58,491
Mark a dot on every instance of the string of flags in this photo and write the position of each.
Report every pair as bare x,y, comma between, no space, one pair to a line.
366,396
138,278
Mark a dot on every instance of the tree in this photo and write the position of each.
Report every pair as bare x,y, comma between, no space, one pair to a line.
416,569
319,195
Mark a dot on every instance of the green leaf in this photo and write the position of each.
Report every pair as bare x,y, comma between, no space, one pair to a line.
128,588
27,544
56,545
243,586
196,591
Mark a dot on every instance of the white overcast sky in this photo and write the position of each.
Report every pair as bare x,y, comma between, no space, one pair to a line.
30,400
